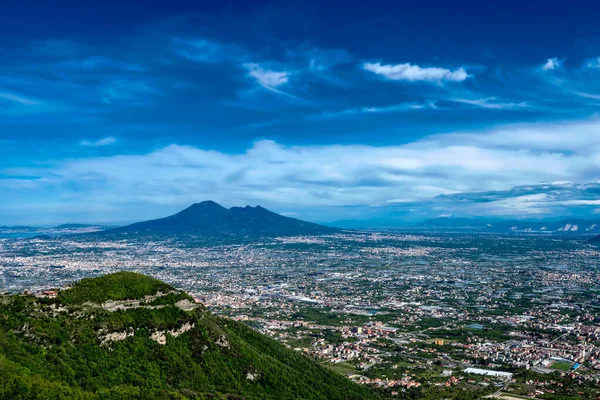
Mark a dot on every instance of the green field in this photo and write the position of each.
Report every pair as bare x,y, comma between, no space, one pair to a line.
561,366
341,368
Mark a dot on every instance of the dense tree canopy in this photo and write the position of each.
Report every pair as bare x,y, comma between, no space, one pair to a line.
58,349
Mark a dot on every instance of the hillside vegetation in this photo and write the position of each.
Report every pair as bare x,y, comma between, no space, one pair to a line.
117,286
167,348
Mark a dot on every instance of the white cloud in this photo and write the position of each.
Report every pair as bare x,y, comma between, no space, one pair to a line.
271,174
203,50
409,72
593,63
107,141
397,201
267,78
492,103
575,138
16,98
581,202
552,64
394,108
558,199
588,95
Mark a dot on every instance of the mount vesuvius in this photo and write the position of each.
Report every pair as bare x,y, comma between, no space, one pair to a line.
211,219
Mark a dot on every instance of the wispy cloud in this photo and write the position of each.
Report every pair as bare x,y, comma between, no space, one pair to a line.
588,95
593,63
271,80
107,141
18,99
265,124
413,73
267,78
558,198
394,108
209,51
321,60
323,63
126,91
493,104
595,202
98,62
552,64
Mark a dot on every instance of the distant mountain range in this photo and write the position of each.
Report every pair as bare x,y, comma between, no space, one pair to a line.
211,219
64,229
567,225
572,225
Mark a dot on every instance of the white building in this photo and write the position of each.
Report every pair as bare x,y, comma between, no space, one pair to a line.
488,372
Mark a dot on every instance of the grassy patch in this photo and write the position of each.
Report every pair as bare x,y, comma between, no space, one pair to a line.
341,368
561,366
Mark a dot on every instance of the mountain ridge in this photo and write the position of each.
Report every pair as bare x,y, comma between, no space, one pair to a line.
127,336
210,218
562,225
491,225
69,227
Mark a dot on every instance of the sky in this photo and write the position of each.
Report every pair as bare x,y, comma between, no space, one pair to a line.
122,111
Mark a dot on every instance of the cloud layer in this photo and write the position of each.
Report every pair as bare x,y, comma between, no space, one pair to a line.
438,174
107,141
412,73
202,110
552,63
267,78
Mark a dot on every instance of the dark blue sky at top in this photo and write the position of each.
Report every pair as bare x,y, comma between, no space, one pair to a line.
166,86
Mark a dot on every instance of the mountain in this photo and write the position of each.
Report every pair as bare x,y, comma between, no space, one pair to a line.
495,225
81,226
19,228
568,225
65,229
128,336
209,218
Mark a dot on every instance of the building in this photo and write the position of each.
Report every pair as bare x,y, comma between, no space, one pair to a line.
488,372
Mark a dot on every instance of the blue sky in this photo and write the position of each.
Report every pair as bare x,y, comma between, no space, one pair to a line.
320,110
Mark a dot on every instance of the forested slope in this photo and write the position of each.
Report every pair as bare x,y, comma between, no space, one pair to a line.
127,336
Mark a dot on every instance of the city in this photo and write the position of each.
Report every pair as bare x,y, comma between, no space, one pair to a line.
403,312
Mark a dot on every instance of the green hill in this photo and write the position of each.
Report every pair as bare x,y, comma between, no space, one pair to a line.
128,336
118,286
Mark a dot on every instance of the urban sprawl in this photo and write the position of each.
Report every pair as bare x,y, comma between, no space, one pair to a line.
506,316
